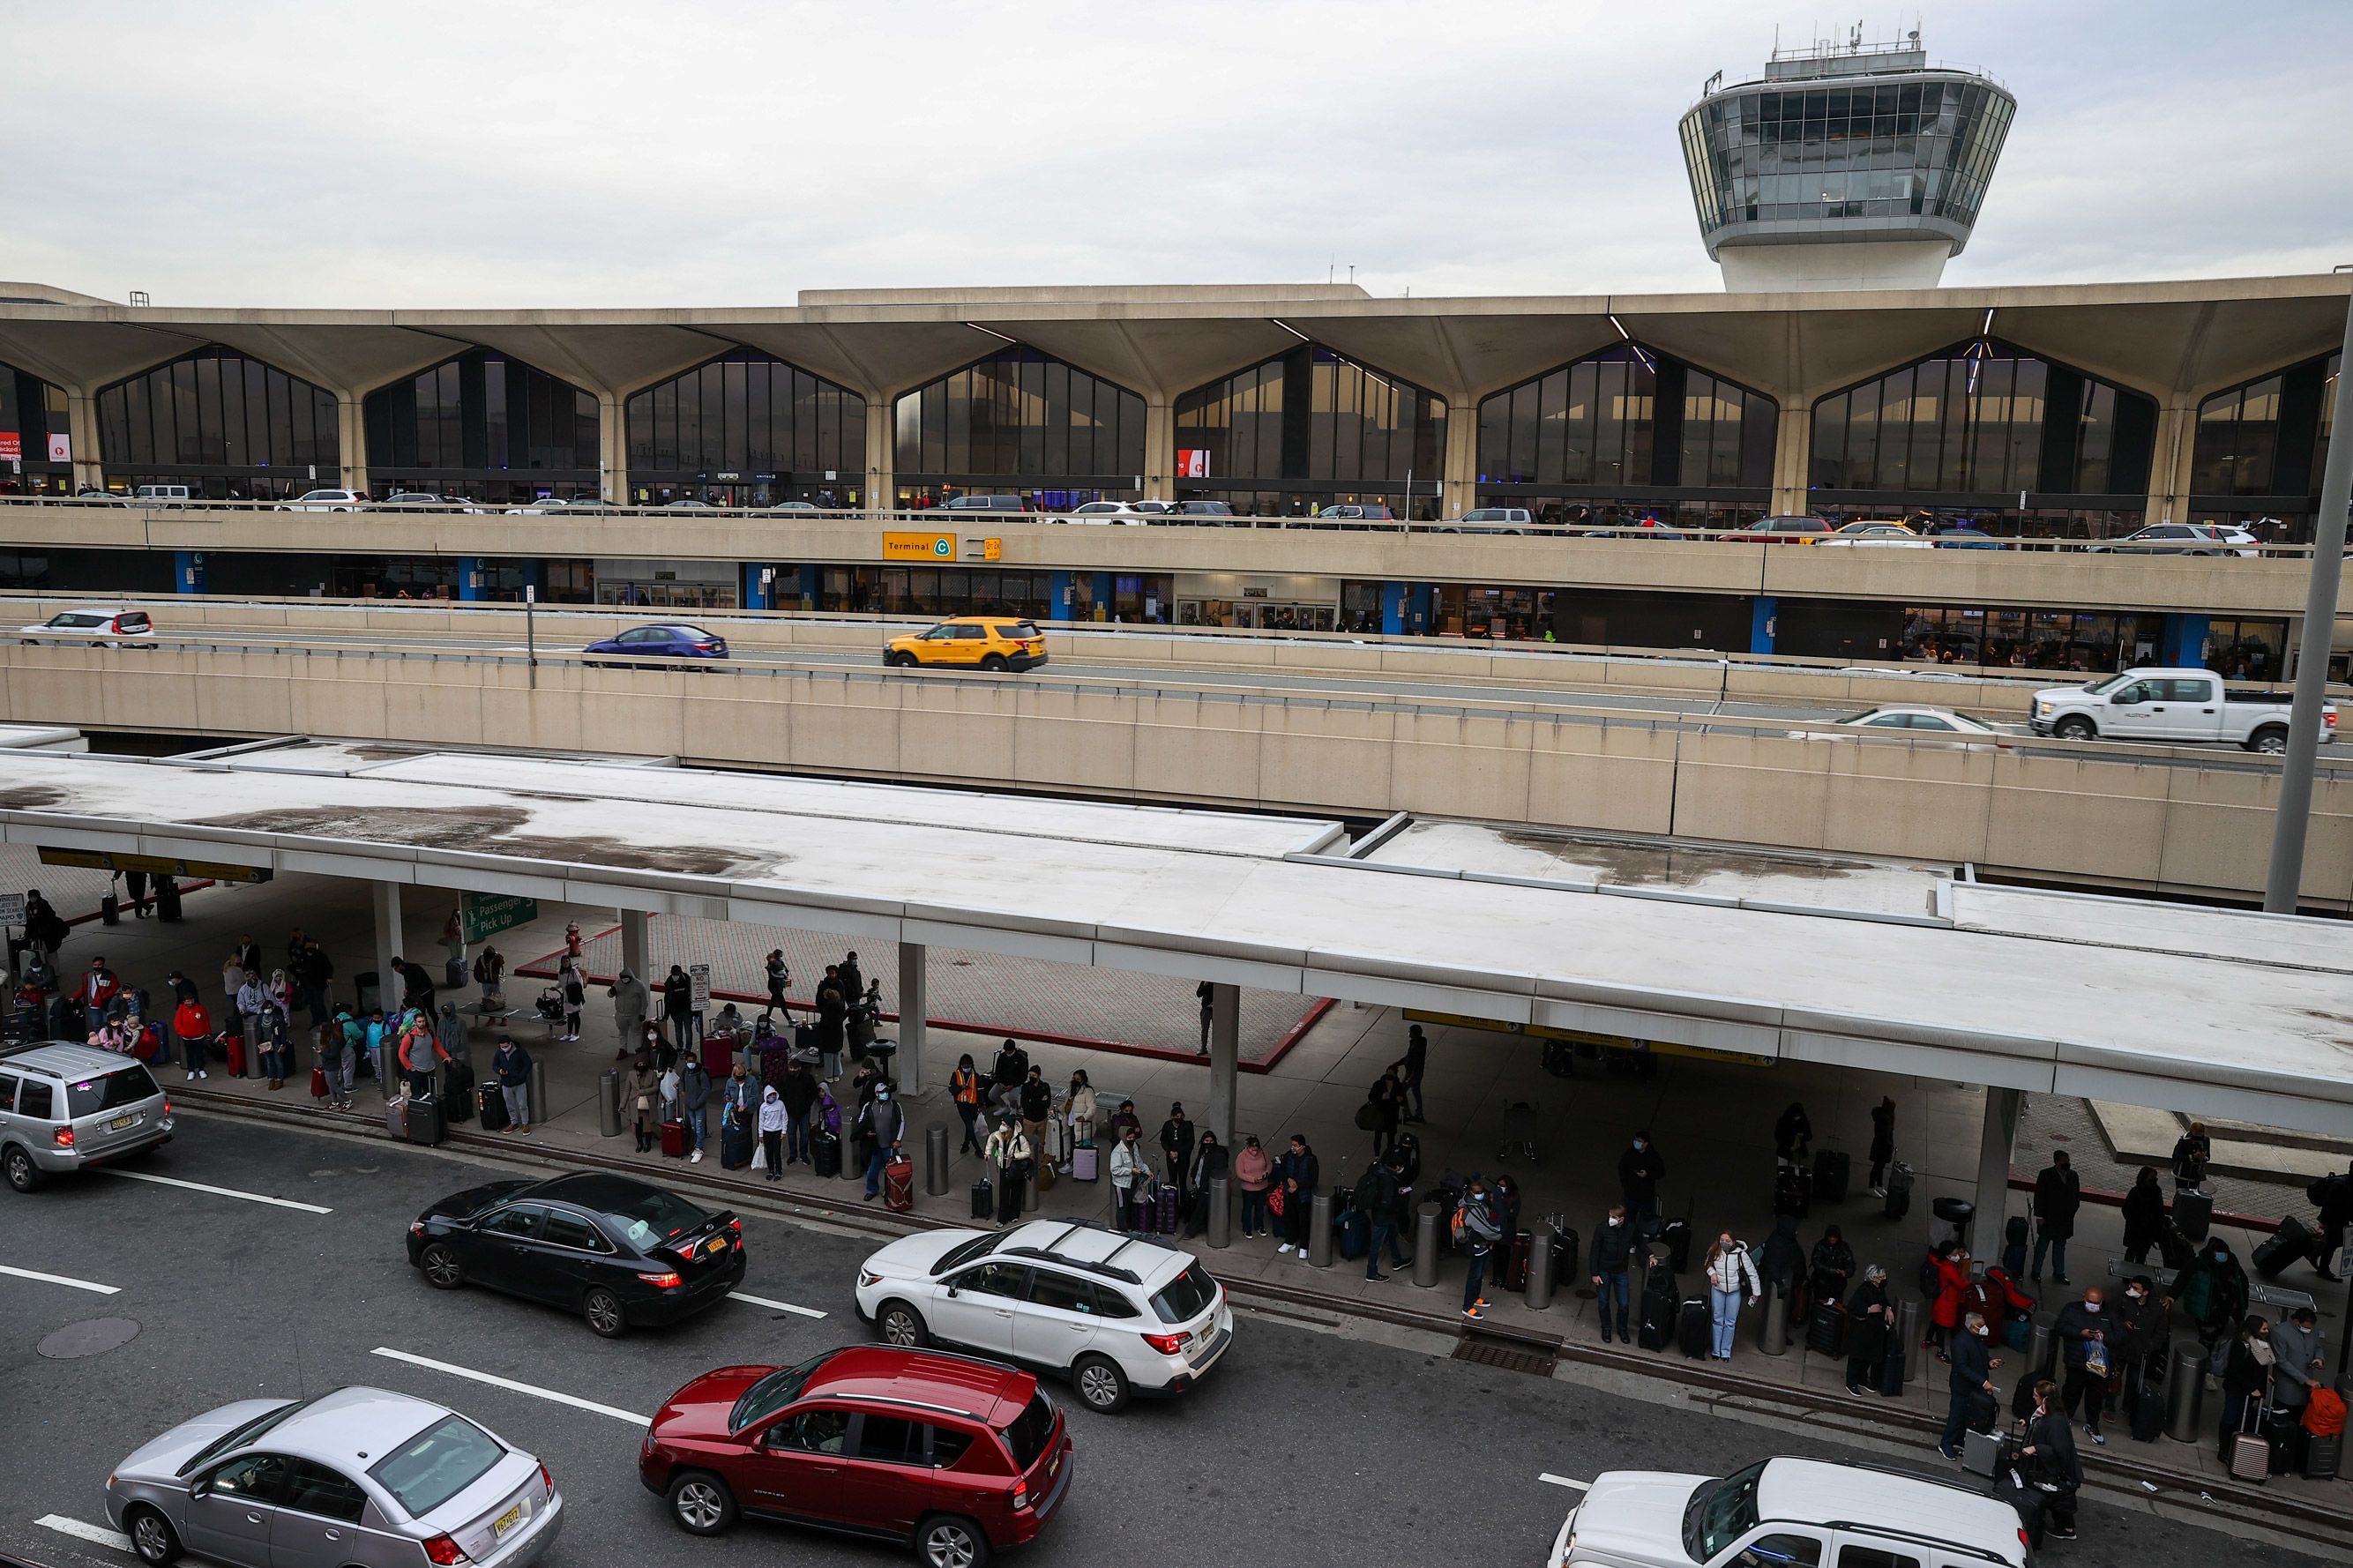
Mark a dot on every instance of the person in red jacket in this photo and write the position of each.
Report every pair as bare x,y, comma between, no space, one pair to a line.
98,988
193,1027
1952,1266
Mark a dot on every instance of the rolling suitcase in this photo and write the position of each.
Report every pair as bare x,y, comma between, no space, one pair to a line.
167,900
1826,1330
2291,1243
736,1138
899,1185
1353,1235
2250,1451
396,1120
1659,1305
490,1104
1675,1244
453,974
1085,1165
825,1153
457,1092
1164,1204
719,1056
2323,1455
2284,1431
2193,1212
983,1199
1514,1275
109,910
1899,1190
673,1139
1981,1453
2148,1415
2174,1248
1831,1170
1693,1328
235,1054
1564,1258
1891,1368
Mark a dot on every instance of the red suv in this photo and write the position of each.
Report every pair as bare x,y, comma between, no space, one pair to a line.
956,1455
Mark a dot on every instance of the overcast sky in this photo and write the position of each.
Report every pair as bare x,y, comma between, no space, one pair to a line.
519,153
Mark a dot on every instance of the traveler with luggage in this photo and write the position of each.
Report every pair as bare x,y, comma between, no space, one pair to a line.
1253,1173
1037,1109
1870,1321
1079,1115
2193,1151
1476,1231
1831,1266
2050,1464
489,973
2245,1375
630,1001
2297,1359
680,1023
1641,1169
510,1069
2214,1292
1613,1270
2081,1331
1301,1171
1006,1075
772,1131
780,977
420,1057
883,1122
1177,1139
694,1099
2335,1196
1728,1267
1383,1105
1793,1135
963,1089
1409,1068
738,1116
2058,1194
2144,1211
1007,1154
1131,1181
641,1101
1949,1271
1377,1199
1973,1362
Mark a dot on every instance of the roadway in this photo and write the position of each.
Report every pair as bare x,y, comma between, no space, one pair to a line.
1314,1442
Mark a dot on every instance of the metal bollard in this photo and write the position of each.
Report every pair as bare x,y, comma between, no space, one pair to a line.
1540,1272
2184,1394
1221,1212
1029,1192
935,1160
1425,1246
1908,1318
1319,1231
1773,1322
2038,1348
609,1106
538,1103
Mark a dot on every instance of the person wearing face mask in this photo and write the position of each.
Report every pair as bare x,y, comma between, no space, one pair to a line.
1613,1272
2214,1292
1973,1362
772,1133
1870,1319
2144,1210
2081,1331
2144,1320
883,1123
1641,1169
2051,1464
2058,1194
1479,1233
1728,1265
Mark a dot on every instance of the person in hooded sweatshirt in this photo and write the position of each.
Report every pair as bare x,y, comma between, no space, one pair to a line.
772,1133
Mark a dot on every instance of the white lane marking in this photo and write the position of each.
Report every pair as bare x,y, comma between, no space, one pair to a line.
576,1403
81,1531
1550,1479
218,1192
780,1306
62,1279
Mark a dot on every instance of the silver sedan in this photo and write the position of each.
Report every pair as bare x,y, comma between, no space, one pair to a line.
355,1476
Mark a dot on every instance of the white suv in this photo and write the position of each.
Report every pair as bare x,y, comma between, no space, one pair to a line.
1117,1314
324,501
1788,1513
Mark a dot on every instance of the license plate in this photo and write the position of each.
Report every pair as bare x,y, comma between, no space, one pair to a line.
507,1521
717,1246
120,1122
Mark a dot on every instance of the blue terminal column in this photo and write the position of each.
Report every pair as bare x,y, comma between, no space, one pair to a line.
755,586
187,571
469,578
1393,598
1058,597
2184,643
1764,610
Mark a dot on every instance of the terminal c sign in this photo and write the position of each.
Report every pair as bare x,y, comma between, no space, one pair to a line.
919,547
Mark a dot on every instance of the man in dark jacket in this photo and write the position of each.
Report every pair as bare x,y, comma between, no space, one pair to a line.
798,1092
1613,1271
832,1014
2082,1330
317,977
1972,1373
417,986
1006,1075
1177,1139
883,1123
1037,1105
1869,1317
2051,1465
1480,1233
2144,1324
1299,1173
1641,1169
1207,994
1882,1144
1409,1068
2192,1153
2335,1201
1380,1195
2058,1194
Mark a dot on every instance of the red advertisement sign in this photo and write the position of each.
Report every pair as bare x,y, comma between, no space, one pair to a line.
1192,462
12,445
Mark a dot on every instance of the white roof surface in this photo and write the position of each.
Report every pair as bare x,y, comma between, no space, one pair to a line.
1215,895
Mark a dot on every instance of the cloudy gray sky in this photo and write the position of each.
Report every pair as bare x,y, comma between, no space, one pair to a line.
516,152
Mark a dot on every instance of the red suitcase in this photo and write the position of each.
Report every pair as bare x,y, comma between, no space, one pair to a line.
719,1055
899,1185
673,1134
236,1044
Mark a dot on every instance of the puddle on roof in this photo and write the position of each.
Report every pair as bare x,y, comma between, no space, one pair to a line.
491,829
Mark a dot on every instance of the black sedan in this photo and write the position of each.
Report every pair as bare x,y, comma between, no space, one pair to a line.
617,1251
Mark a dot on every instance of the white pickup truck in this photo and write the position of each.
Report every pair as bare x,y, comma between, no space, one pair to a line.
2168,705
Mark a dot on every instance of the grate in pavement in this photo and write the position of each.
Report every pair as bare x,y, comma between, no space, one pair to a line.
1508,1357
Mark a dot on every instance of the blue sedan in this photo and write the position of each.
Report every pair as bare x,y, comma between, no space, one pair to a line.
665,639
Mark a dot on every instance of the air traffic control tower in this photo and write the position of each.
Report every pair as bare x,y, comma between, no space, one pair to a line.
1847,166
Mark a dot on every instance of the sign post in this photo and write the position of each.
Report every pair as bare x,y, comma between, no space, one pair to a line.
531,631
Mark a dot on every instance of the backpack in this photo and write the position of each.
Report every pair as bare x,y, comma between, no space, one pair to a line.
1932,1280
1454,1227
1369,1191
2323,1189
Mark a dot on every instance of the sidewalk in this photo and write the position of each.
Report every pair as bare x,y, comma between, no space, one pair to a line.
1712,1121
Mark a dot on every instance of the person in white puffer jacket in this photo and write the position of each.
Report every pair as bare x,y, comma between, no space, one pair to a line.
1728,1266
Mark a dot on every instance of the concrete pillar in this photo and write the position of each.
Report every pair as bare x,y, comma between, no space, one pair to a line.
471,572
633,944
881,489
1393,603
1793,458
82,430
1225,1059
387,942
2169,463
1461,475
913,1025
1761,627
1159,451
612,450
1994,1147
188,572
351,441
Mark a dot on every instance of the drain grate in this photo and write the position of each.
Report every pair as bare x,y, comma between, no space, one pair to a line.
1506,1357
91,1336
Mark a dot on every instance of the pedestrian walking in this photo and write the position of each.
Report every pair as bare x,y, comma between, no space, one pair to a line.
1386,1102
883,1123
694,1098
1476,1230
963,1089
1301,1171
1177,1139
2082,1331
1973,1362
1882,1144
630,1001
2050,1464
1207,994
1007,1154
1870,1320
2143,1213
1614,1244
1130,1179
2058,1194
641,1101
2193,1151
1641,1169
772,1133
1730,1273
1253,1173
780,978
489,973
1793,1135
134,883
1408,1070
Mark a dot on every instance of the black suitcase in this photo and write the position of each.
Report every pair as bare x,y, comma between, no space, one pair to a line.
424,1121
1164,1206
2193,1212
2149,1416
1659,1306
735,1140
109,910
825,1153
1890,1367
1516,1260
983,1199
491,1104
1826,1328
457,1092
1831,1171
1564,1258
2291,1243
1694,1329
1675,1244
167,902
2173,1248
1793,1192
2284,1429
2323,1455
1899,1190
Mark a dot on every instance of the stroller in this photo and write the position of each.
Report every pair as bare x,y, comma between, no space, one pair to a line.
551,1006
1519,1131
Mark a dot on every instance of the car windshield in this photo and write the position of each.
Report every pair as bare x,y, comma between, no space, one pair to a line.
654,1216
1856,718
1721,1512
238,1437
965,1252
437,1465
1186,1296
1031,1430
110,1092
1025,629
2102,688
773,1392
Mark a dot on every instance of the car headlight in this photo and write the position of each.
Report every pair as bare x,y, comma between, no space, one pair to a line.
2043,710
868,1276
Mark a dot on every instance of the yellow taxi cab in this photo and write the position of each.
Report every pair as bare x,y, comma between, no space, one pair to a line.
989,642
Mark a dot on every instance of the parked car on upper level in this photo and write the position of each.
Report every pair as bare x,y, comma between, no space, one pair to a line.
2170,705
1497,517
984,503
324,501
1364,511
67,1107
1788,530
1202,509
98,624
1962,535
663,640
1103,511
413,498
2181,539
1879,535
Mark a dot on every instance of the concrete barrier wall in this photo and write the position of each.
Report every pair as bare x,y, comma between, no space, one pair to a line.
2114,816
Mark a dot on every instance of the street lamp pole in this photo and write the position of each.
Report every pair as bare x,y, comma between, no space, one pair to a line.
2294,812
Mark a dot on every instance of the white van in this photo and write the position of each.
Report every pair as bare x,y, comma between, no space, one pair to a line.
1788,1513
152,493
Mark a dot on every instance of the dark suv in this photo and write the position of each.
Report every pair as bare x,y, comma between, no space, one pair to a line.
953,1455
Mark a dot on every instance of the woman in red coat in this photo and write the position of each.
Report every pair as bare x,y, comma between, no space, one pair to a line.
1952,1267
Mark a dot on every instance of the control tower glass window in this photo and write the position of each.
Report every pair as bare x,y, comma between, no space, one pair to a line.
223,424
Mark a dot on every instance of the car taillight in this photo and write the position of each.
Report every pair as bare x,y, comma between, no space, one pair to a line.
416,1228
549,1481
2330,720
443,1551
63,1137
1167,1345
1021,1494
660,1281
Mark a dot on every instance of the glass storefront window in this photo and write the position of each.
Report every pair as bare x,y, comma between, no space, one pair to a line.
2252,439
32,410
2246,649
747,430
1627,432
228,427
1024,415
1311,428
483,426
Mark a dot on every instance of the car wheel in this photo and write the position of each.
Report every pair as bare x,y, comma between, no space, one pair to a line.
153,1537
701,1502
441,1269
900,660
2074,728
603,1310
1101,1384
948,1541
2272,740
994,662
23,1174
901,1325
